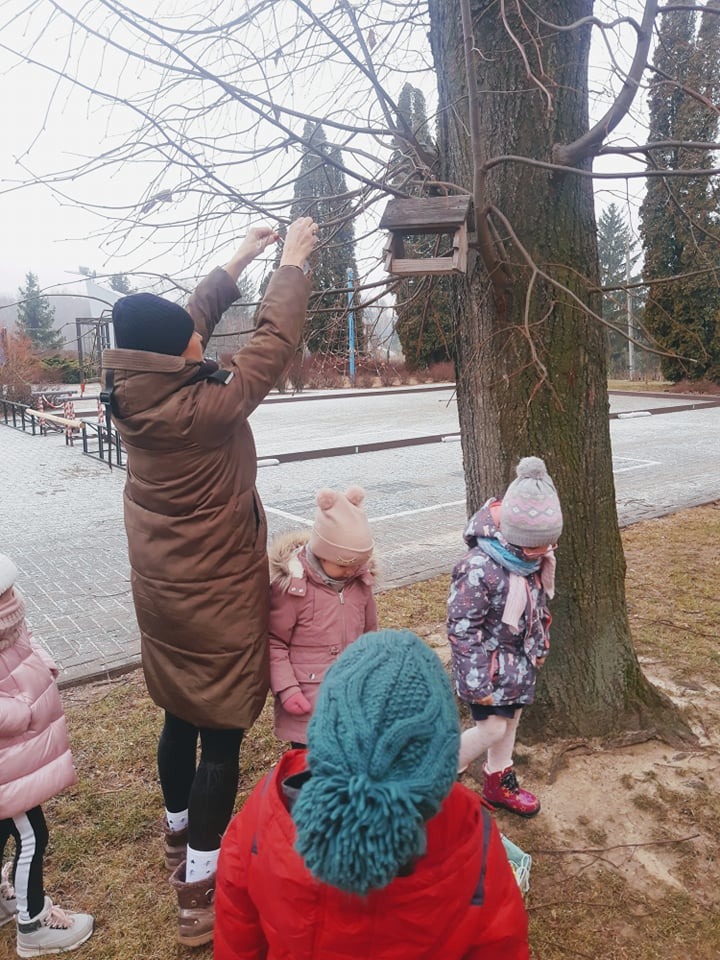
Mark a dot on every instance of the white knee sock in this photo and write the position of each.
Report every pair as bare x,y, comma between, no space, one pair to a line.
200,864
176,821
480,738
500,753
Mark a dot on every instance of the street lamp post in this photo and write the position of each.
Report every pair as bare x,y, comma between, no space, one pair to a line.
351,326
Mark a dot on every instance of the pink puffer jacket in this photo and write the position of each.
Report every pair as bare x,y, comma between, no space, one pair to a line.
35,760
310,626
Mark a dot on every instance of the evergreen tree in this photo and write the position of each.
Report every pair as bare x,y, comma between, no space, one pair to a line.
321,193
35,316
236,324
615,245
120,283
424,324
679,222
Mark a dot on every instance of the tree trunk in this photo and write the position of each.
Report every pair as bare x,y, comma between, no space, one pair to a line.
536,384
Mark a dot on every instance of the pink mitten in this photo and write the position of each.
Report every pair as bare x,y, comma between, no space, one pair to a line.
297,704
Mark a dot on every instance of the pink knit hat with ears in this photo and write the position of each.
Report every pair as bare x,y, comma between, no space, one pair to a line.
341,533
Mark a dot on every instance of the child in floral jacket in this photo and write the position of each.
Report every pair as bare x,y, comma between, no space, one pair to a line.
498,622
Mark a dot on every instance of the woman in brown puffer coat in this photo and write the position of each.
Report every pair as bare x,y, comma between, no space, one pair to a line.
197,537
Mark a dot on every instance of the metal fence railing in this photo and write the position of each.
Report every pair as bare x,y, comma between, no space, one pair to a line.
23,417
97,441
102,445
14,415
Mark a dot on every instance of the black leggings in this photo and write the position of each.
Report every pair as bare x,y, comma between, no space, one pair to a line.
207,792
30,833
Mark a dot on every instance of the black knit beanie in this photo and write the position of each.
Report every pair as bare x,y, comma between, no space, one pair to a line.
143,321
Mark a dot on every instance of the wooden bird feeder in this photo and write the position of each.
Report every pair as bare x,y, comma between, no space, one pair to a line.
427,216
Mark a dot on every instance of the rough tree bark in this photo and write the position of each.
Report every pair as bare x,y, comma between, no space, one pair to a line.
535,382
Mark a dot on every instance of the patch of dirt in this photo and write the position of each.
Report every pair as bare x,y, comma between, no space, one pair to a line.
435,637
624,809
646,811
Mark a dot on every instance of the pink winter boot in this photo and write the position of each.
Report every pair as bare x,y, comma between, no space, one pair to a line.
501,789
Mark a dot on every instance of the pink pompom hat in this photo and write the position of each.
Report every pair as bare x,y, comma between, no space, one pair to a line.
341,533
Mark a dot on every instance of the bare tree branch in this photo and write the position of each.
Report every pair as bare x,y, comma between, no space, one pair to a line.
589,143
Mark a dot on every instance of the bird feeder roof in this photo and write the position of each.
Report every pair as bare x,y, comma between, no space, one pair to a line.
426,214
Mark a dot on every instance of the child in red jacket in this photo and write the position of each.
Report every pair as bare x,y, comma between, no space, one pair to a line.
321,600
364,847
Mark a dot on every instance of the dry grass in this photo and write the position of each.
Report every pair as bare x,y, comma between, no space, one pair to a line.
655,386
613,901
707,387
673,593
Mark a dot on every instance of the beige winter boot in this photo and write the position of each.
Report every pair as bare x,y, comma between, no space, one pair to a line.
175,847
196,908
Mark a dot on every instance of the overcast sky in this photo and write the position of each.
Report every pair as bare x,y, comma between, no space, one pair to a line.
38,234
43,233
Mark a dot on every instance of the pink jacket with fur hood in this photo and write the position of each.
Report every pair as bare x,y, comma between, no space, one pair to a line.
35,760
310,626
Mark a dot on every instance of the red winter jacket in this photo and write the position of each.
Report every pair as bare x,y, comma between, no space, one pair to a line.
460,903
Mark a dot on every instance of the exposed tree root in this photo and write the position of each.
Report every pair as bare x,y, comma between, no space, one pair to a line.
654,716
646,714
559,758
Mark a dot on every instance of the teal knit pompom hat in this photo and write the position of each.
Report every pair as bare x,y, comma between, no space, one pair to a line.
383,747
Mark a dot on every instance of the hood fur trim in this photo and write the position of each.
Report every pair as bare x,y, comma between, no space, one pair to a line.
282,557
285,565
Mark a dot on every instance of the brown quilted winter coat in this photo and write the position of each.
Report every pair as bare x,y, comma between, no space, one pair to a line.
196,528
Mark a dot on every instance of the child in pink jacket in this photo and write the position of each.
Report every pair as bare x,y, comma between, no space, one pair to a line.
321,599
35,764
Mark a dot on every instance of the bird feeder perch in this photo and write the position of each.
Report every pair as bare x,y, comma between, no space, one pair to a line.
427,216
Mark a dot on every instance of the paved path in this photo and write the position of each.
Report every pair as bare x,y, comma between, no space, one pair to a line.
62,512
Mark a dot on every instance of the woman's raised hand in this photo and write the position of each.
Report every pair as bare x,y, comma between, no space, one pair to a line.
301,240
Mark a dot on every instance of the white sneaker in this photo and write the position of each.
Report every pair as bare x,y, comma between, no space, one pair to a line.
8,904
53,931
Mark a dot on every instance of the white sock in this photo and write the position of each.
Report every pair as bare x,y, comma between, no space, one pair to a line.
500,753
478,739
200,864
176,821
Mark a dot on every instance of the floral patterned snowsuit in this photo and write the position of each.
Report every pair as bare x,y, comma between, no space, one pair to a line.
487,656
